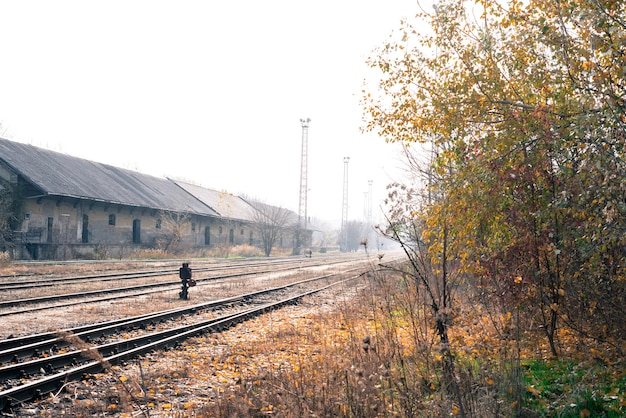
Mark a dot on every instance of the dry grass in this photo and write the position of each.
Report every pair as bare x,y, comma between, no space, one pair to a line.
64,269
367,350
234,251
5,259
328,356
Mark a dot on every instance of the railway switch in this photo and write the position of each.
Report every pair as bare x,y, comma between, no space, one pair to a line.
185,276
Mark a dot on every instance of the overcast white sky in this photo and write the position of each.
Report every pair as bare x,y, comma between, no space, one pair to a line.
204,90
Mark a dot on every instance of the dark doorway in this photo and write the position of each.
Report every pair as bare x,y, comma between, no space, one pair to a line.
207,235
85,236
137,231
49,235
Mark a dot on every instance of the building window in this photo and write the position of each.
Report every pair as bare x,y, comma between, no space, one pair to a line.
220,230
27,216
112,219
241,231
193,227
158,224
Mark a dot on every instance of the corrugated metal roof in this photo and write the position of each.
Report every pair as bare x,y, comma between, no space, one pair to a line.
224,203
270,210
57,174
292,217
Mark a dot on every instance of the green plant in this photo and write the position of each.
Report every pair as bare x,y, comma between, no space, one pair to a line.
570,388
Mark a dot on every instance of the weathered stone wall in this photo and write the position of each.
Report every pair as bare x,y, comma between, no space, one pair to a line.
57,229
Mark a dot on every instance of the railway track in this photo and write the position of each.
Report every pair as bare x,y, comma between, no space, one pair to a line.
56,362
21,282
69,299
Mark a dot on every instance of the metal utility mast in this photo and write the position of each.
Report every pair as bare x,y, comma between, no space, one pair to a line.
369,203
302,215
344,207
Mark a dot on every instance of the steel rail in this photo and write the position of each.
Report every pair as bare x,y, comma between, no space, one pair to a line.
77,295
54,281
167,339
16,349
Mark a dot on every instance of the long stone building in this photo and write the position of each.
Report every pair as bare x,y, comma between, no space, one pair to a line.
68,207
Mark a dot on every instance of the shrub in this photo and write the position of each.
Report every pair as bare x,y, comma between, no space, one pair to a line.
151,253
5,259
245,250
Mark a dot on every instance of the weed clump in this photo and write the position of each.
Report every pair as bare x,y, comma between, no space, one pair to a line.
5,259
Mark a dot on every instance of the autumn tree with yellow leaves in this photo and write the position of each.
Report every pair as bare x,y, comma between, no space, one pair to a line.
520,106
